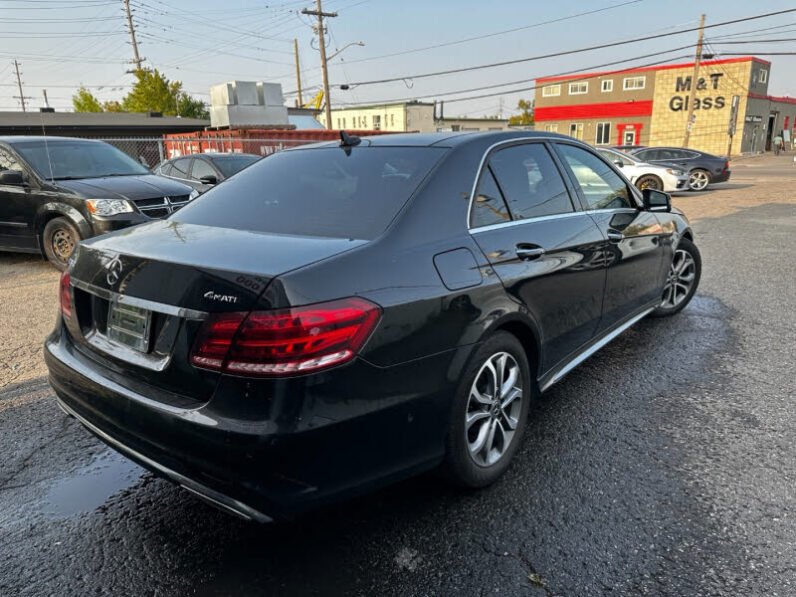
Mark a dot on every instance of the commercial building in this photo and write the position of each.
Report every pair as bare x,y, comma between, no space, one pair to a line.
733,112
404,117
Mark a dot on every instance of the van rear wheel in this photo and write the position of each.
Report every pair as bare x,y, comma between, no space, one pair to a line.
59,239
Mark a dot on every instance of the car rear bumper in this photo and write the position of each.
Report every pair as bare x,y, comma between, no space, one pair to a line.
724,176
254,469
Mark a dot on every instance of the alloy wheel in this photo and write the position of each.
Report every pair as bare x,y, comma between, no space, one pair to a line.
493,409
698,180
682,274
63,244
650,183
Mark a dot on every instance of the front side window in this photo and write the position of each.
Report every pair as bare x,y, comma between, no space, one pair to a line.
578,88
530,181
601,186
179,168
632,83
551,90
603,133
489,206
9,162
319,192
57,159
201,168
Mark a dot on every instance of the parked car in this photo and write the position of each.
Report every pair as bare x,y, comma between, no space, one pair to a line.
703,168
203,171
340,316
661,177
56,191
627,147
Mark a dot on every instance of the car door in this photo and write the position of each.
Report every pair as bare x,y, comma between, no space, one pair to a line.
636,239
181,171
17,207
547,252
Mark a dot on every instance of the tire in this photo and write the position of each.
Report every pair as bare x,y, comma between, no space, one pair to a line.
59,239
698,179
686,268
464,464
649,181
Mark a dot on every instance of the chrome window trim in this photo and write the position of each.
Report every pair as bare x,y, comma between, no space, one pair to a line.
134,301
481,165
512,223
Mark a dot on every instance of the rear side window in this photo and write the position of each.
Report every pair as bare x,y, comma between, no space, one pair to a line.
530,181
317,192
488,206
165,169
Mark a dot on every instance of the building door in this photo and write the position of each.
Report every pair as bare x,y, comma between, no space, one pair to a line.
629,137
772,123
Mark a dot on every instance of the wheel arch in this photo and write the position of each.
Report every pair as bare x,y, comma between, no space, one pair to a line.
525,331
51,211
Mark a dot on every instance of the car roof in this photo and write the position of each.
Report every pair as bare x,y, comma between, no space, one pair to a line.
444,139
16,139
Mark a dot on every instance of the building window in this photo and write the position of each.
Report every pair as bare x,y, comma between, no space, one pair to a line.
576,130
392,119
377,122
365,121
578,88
632,83
763,77
343,121
551,128
551,90
603,136
607,85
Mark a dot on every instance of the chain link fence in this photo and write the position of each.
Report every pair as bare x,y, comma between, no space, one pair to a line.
152,151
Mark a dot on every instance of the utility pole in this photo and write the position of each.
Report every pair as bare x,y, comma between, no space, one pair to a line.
298,72
318,12
137,60
46,101
694,82
19,83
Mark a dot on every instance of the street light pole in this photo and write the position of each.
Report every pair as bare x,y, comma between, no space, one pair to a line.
318,12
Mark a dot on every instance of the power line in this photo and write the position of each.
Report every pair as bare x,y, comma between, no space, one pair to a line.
567,52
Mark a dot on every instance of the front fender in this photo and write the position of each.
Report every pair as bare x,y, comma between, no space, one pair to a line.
50,210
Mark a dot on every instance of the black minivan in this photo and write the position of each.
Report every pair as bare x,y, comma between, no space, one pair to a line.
56,191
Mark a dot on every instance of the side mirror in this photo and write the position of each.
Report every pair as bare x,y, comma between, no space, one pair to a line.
11,177
209,179
619,162
656,200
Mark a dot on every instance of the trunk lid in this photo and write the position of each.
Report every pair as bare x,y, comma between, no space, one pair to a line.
141,294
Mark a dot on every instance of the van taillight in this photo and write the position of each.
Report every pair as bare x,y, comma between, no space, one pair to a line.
285,342
65,295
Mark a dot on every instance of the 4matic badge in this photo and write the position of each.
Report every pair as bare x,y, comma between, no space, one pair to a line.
211,295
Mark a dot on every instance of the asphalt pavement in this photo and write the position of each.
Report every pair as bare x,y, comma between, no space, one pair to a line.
664,465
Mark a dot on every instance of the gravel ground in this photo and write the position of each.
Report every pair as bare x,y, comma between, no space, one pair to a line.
664,465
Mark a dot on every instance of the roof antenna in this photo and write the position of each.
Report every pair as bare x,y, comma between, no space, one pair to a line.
347,140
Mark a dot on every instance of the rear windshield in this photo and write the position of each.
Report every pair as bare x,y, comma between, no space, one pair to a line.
317,192
232,165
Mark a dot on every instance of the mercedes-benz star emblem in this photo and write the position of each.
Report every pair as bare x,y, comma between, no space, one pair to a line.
114,271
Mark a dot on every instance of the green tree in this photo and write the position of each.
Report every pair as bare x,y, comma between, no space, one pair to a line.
153,92
84,101
525,117
112,106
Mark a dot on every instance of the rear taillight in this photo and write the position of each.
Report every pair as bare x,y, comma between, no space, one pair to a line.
65,295
726,164
285,342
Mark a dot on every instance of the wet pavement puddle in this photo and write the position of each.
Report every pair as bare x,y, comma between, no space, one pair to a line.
90,486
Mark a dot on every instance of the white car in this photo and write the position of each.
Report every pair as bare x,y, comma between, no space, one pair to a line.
648,176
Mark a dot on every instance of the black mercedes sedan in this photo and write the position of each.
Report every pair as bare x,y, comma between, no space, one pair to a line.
340,316
703,168
56,191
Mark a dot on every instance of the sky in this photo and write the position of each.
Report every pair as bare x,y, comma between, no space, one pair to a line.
62,44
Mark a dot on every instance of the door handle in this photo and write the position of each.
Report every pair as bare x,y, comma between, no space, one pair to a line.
529,252
615,236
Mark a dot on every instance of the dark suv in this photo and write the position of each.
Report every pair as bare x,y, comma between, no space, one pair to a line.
56,191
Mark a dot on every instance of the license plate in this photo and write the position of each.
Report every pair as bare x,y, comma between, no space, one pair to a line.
129,325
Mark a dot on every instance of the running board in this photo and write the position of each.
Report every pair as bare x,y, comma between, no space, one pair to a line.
593,348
